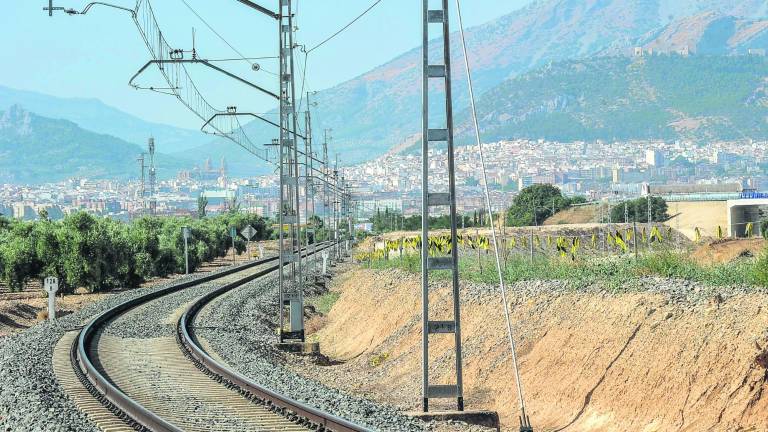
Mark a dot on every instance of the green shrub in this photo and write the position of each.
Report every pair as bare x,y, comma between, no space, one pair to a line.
759,272
99,253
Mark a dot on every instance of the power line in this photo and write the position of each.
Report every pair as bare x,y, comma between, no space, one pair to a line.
240,59
242,56
525,422
345,27
338,32
191,9
303,81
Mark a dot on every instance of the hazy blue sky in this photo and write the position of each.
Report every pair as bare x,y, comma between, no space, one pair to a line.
94,55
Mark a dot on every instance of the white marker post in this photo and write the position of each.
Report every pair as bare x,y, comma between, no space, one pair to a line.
261,250
325,261
51,285
233,234
185,231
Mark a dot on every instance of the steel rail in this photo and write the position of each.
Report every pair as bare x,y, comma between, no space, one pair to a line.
101,386
247,386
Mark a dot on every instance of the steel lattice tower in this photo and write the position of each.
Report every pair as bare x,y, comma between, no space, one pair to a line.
152,178
437,133
291,277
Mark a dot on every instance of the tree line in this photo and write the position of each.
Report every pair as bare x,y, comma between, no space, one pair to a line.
100,253
531,206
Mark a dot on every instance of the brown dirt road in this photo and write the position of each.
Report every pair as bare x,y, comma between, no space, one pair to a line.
591,361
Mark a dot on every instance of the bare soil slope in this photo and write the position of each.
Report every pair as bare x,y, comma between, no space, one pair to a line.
575,215
591,361
704,215
723,251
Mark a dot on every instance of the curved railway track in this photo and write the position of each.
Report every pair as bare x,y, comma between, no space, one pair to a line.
168,382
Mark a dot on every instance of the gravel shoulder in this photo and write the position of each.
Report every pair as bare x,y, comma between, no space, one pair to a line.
239,327
30,397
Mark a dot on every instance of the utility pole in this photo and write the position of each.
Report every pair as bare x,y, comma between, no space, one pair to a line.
610,212
309,188
185,231
291,281
438,71
142,186
626,212
336,203
326,187
650,220
152,178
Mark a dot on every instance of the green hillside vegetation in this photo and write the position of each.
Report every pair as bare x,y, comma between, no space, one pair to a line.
659,97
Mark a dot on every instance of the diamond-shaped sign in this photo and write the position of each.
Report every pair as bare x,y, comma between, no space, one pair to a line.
248,232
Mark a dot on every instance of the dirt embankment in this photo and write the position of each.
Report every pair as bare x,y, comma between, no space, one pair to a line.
591,361
723,251
577,215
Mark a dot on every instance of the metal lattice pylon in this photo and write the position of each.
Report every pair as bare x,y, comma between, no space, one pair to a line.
291,278
309,194
434,74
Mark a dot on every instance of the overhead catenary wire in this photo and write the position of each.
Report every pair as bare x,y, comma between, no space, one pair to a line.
182,85
303,82
243,57
502,285
326,40
348,25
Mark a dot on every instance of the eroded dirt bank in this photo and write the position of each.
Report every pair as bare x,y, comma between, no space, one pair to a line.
670,356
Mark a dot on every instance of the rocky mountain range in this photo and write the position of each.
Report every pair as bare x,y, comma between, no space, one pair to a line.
381,109
700,98
521,62
96,116
37,149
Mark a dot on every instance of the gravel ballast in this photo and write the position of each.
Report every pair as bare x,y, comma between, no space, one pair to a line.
248,347
30,397
240,328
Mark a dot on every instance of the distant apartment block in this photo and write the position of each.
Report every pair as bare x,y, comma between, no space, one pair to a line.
654,158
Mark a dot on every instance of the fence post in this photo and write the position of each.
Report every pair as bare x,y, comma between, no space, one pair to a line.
530,243
634,238
479,259
603,240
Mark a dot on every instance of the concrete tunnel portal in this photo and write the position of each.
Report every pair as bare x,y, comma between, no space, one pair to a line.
743,211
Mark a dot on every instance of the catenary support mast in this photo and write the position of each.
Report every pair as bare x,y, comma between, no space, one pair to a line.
291,277
437,133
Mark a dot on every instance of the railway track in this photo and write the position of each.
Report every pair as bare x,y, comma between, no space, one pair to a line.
160,379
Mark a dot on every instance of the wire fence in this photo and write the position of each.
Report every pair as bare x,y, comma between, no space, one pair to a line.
533,242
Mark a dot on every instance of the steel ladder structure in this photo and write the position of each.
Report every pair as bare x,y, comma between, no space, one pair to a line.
309,197
291,284
434,76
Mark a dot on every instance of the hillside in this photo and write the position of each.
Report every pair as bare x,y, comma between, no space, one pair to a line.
381,109
596,359
36,149
707,33
575,215
94,115
669,97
